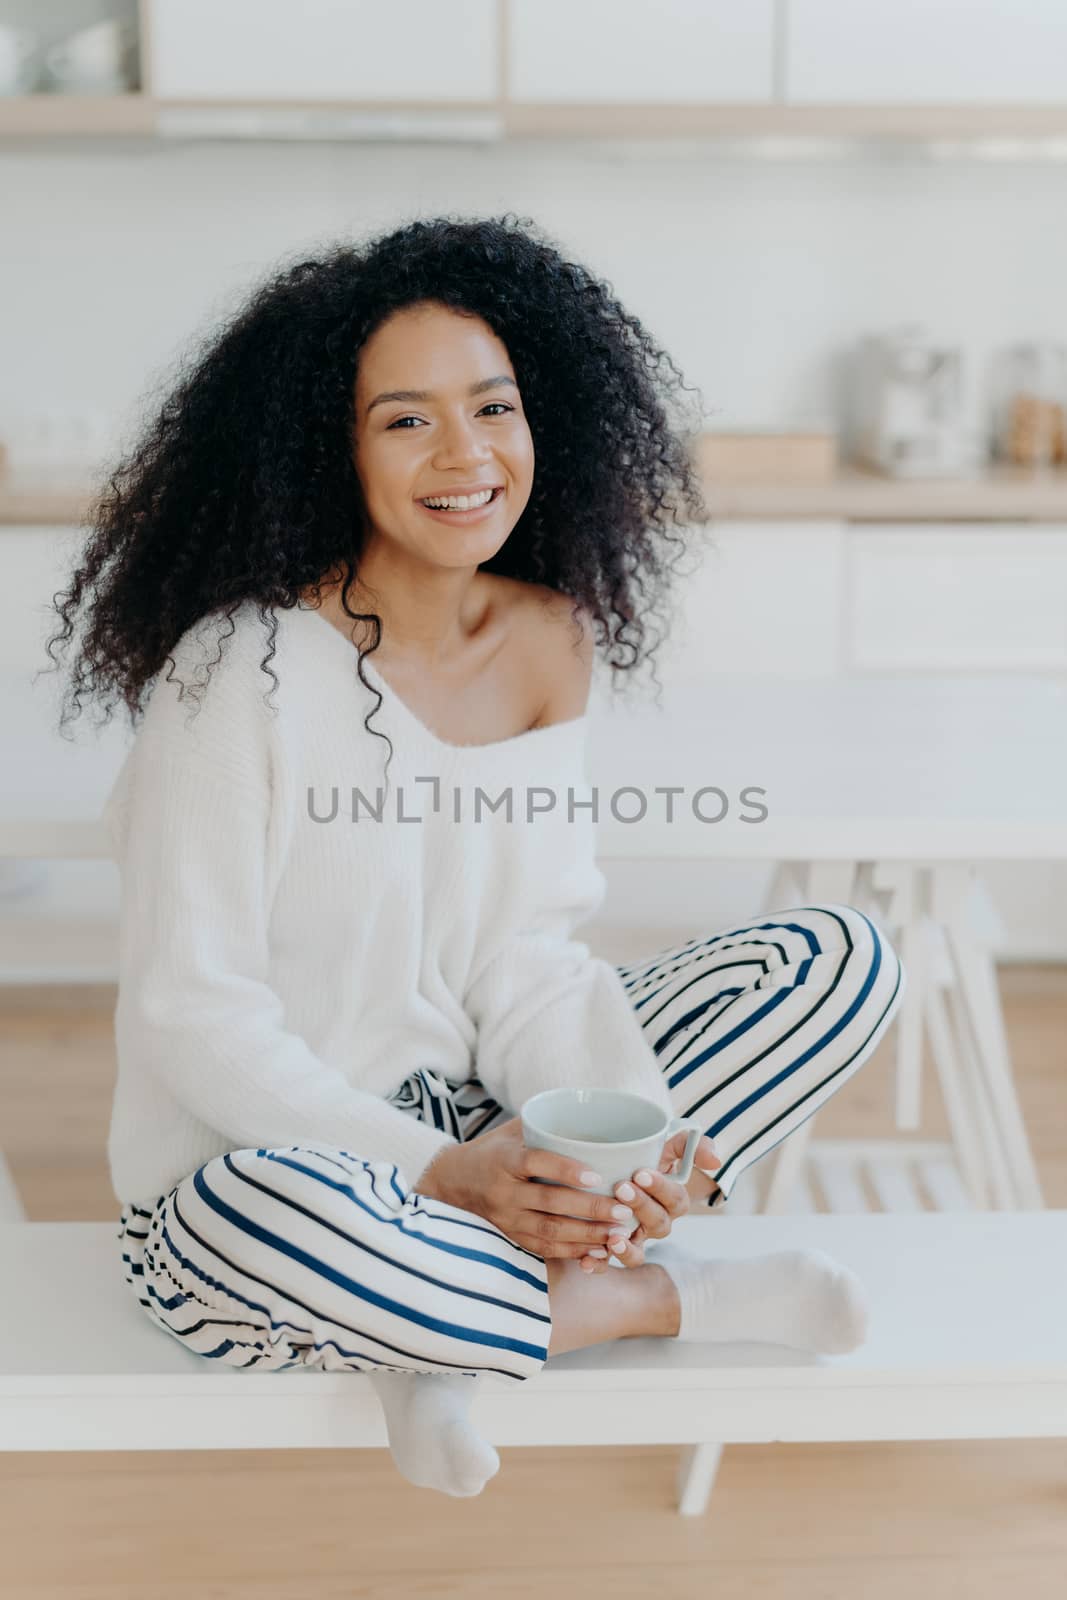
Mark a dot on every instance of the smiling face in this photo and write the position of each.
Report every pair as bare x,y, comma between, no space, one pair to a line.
438,413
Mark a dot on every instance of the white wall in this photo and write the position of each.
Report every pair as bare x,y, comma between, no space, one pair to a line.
757,275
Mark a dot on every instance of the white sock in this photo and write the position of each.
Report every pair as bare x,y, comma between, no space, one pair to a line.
802,1298
434,1444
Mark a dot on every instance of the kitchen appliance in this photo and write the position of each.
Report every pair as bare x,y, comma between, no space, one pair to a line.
95,60
909,401
1030,404
18,69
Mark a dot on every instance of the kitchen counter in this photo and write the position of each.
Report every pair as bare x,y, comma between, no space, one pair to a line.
998,494
26,501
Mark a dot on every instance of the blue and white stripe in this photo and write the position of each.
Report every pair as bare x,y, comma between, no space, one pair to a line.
757,1027
312,1256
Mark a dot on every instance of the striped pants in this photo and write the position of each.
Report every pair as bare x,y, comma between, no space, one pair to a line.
311,1256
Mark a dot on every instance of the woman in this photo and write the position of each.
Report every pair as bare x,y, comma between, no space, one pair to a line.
422,477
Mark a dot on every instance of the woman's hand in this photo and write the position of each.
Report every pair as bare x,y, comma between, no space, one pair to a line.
658,1199
493,1175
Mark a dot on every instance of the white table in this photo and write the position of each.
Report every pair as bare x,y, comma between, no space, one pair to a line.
944,1359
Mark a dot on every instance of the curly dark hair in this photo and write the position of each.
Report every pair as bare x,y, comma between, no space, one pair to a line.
243,486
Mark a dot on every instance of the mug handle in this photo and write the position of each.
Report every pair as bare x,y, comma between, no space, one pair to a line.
675,1125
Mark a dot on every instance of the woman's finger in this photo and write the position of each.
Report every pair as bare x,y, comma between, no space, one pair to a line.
656,1200
596,1261
567,1202
705,1156
562,1250
548,1228
629,1252
670,1195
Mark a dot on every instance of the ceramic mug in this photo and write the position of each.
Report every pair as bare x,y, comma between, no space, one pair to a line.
17,46
93,56
610,1131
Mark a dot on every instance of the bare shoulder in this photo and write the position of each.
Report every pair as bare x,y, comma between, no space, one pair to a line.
557,642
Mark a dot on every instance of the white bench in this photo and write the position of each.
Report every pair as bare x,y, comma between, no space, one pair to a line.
968,1340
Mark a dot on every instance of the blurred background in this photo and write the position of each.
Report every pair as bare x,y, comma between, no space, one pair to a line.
841,220
844,220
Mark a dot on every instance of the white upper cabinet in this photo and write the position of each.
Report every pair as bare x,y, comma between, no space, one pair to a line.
426,50
925,52
673,51
975,597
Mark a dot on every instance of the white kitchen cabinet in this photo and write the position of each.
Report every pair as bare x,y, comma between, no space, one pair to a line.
957,598
676,51
763,603
925,52
38,562
359,50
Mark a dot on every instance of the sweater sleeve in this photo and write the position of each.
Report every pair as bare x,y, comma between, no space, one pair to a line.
549,1014
195,1007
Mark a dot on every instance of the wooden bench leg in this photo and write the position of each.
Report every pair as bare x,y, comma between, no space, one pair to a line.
966,1031
980,1000
829,882
911,947
998,1178
696,1475
787,1174
974,1153
904,890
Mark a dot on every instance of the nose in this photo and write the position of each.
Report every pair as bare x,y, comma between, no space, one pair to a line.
459,443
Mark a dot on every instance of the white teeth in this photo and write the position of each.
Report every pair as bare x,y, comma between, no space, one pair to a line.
460,502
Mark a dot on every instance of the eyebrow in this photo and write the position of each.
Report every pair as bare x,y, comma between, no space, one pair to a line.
428,394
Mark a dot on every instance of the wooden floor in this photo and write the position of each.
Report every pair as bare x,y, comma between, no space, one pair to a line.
808,1522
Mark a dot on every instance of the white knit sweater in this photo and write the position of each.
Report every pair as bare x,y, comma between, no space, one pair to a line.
283,968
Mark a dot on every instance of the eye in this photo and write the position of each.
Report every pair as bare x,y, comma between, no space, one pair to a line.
494,405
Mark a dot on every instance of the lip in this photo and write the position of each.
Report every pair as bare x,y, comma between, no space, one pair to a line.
473,513
470,488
